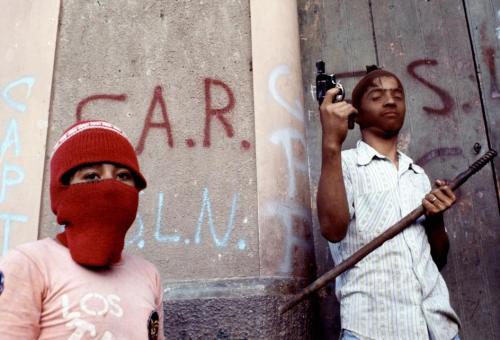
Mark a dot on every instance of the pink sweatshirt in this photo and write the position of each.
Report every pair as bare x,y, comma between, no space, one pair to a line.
46,295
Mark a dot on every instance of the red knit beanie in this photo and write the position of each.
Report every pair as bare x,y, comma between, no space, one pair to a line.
88,142
373,72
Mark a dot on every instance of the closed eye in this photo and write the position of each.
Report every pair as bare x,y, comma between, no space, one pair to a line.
376,94
398,94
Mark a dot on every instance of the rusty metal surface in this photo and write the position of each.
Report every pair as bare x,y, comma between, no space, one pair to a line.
484,26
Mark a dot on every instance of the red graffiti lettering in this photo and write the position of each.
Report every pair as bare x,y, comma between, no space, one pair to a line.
245,145
489,59
149,124
353,74
85,101
211,112
447,100
212,88
439,152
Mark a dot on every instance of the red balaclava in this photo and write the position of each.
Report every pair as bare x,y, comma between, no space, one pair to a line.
96,215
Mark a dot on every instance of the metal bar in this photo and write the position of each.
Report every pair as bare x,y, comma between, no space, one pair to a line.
395,229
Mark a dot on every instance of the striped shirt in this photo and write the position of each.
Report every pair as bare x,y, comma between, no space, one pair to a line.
396,292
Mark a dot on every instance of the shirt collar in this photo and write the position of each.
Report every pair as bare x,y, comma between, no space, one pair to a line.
406,162
365,154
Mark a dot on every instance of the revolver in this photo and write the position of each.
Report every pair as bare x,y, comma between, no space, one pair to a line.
324,82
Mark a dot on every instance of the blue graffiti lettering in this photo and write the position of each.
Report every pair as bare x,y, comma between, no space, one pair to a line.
139,236
159,237
11,139
288,213
297,111
9,180
21,107
206,206
242,245
285,137
8,218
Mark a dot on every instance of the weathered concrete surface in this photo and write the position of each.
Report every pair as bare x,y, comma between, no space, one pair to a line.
176,77
281,150
235,309
28,29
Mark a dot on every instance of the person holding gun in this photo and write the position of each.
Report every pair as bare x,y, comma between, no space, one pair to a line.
396,292
80,285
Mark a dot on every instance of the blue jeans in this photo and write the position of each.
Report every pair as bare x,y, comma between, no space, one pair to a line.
348,335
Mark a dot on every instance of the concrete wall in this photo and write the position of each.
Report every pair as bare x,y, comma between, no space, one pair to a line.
28,30
219,128
176,77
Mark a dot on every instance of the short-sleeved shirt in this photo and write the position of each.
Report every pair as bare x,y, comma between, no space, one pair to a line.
46,295
396,292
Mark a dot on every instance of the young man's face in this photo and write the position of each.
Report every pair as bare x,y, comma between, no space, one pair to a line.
383,107
100,171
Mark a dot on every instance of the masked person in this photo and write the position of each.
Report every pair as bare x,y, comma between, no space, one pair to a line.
81,285
396,292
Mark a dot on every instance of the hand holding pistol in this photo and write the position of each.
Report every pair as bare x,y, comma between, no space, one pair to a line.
336,114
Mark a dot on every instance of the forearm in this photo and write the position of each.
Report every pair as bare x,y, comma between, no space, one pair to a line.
438,239
333,210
